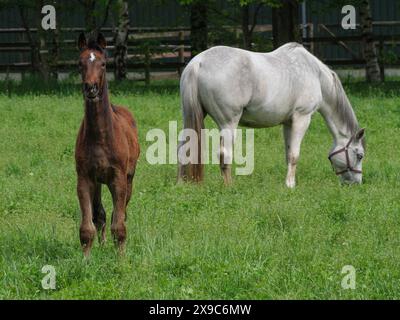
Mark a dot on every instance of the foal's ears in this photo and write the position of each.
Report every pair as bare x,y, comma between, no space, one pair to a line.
82,43
360,134
101,41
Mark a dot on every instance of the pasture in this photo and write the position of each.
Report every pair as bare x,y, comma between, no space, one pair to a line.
253,240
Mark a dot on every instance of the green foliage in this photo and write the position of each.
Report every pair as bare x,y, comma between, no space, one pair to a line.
240,2
389,55
254,240
271,3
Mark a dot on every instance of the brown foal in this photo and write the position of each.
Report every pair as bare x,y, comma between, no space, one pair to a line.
106,152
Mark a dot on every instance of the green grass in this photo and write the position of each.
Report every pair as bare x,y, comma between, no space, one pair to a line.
254,240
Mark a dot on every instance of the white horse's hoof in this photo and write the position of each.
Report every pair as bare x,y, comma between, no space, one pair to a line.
290,184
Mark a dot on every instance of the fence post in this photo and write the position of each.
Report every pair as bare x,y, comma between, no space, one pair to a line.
181,51
8,82
311,36
381,60
147,63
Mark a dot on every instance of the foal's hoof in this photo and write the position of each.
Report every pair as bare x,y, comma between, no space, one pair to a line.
87,235
102,235
121,249
86,251
119,234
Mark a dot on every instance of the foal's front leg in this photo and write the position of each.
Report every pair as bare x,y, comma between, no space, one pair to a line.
87,230
99,214
294,133
118,189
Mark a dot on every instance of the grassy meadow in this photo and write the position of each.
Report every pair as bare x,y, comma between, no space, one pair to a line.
254,240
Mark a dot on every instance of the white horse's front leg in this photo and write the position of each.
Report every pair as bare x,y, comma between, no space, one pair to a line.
294,134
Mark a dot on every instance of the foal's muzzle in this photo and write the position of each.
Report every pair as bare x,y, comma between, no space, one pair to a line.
91,90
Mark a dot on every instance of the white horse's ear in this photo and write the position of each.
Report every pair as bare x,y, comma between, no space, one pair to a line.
360,134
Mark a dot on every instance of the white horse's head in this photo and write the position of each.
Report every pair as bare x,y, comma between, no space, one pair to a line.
347,159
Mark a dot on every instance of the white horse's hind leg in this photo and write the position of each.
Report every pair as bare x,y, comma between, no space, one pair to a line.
294,134
181,167
227,141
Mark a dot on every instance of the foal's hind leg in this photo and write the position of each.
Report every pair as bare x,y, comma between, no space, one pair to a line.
99,214
128,192
294,133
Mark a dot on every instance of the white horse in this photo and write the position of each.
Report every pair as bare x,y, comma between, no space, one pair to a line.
261,90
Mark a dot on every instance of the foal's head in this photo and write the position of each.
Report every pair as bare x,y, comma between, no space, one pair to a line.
92,66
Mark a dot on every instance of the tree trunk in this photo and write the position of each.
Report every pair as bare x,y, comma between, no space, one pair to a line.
369,50
43,65
245,27
121,41
55,53
198,26
90,18
43,51
285,23
249,26
38,60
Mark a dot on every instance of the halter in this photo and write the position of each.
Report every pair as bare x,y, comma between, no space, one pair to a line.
345,149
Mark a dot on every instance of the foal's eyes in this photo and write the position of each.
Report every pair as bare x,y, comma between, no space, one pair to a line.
103,65
360,156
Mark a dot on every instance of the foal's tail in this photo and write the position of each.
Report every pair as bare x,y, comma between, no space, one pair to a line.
193,118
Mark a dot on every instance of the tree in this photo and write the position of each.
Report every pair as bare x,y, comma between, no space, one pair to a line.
244,13
121,40
368,45
248,25
40,58
198,26
369,49
247,28
285,22
96,14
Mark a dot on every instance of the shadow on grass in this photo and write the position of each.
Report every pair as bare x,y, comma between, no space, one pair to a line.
361,88
33,85
36,86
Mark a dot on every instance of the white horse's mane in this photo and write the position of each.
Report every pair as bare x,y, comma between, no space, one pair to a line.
342,106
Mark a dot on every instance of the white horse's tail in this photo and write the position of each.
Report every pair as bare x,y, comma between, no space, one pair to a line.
193,118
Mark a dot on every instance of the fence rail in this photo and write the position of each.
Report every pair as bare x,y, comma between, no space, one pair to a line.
169,48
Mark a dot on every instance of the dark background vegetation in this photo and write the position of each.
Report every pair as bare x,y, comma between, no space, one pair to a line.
239,23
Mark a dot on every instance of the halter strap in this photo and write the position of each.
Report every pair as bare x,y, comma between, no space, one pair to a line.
345,149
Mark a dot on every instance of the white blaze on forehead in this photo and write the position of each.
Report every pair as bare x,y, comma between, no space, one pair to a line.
92,57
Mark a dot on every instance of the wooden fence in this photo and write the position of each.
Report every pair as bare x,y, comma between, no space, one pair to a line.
149,49
355,58
168,49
